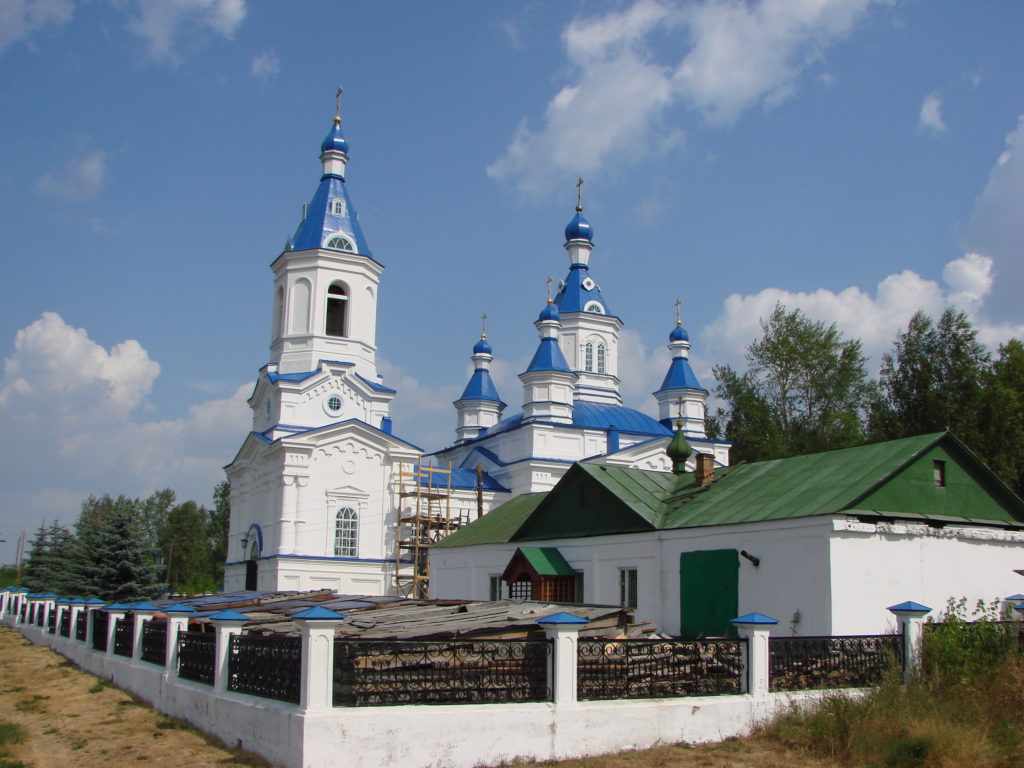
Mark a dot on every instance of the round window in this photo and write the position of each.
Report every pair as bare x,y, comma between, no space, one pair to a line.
333,405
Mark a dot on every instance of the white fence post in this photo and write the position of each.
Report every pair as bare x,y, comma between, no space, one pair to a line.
563,630
317,625
5,598
226,623
92,605
60,608
177,621
756,628
910,616
141,613
115,612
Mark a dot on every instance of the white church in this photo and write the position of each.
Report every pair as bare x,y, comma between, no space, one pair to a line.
324,495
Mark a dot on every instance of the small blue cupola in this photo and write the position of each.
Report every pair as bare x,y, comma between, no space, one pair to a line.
548,356
579,228
548,381
479,408
578,292
681,395
335,141
330,220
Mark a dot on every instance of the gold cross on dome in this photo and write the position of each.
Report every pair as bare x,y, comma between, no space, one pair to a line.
679,407
549,281
337,102
679,320
579,195
483,326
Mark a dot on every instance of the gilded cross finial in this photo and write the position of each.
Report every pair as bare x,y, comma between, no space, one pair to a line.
579,195
483,326
679,320
337,105
679,411
549,289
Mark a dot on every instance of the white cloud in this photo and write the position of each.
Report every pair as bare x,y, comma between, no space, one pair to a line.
73,425
729,56
930,117
266,65
19,19
61,368
874,319
81,179
159,21
996,227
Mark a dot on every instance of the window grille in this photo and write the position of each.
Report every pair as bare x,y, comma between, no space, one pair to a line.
588,357
627,587
346,533
601,354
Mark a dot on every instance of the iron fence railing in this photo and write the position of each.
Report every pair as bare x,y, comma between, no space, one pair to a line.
196,653
154,641
852,661
81,625
643,669
124,632
266,665
65,624
51,622
100,623
372,673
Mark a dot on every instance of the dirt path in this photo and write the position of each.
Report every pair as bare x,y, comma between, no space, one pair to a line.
72,718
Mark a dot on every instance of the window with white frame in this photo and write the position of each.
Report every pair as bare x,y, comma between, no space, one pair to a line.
588,357
601,358
627,587
497,591
346,533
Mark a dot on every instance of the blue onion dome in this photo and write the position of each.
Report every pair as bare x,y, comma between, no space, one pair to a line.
679,334
579,228
550,312
482,347
334,139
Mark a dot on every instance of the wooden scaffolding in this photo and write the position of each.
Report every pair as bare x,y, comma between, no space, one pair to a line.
425,516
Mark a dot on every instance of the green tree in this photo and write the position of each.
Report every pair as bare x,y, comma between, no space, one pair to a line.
933,379
186,548
1001,416
804,390
49,561
120,569
217,530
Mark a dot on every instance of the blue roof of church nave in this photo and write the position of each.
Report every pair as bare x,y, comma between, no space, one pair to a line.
587,415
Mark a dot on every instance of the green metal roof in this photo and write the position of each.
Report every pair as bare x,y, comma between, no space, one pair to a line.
498,525
547,561
891,479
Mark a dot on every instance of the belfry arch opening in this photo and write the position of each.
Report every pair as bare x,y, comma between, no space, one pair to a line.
336,321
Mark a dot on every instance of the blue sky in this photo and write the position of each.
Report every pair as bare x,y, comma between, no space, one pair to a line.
858,159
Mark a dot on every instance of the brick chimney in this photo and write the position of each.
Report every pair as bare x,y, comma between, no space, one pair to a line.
704,473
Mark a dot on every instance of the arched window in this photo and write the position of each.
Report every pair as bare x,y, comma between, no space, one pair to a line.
336,301
601,356
346,533
588,357
340,243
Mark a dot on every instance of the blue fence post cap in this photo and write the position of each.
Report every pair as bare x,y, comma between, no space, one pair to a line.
562,618
318,613
144,606
178,608
754,618
63,600
118,607
1018,596
228,615
910,607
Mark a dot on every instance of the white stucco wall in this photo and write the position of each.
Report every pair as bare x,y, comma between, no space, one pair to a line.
836,576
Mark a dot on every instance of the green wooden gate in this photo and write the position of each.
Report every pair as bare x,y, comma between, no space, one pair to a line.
709,592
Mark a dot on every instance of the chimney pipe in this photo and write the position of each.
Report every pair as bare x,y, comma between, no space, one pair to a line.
704,472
